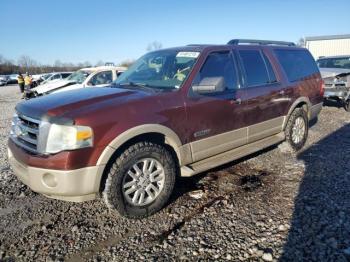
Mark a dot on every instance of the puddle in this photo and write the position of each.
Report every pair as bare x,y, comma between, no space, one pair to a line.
252,182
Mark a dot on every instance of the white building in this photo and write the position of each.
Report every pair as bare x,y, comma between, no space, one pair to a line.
331,45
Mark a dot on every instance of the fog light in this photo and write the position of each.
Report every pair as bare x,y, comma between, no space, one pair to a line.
49,180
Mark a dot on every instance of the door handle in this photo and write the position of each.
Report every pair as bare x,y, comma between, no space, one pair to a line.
236,101
282,92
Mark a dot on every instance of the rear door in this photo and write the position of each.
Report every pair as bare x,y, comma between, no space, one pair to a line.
265,97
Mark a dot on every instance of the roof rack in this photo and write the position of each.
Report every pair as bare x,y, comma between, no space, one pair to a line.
259,42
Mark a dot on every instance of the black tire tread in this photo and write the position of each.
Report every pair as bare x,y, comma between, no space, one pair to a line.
347,105
297,112
115,200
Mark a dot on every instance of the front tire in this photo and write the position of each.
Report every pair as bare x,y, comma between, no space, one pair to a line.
297,129
141,180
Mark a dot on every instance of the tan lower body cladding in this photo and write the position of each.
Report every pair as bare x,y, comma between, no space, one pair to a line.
217,144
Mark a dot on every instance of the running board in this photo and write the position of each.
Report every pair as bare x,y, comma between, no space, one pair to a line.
234,154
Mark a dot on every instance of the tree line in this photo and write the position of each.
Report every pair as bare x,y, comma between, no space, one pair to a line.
27,64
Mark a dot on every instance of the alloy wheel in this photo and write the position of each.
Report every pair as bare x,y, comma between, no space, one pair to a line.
143,182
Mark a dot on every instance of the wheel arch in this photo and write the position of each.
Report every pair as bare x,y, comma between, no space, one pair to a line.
148,132
301,102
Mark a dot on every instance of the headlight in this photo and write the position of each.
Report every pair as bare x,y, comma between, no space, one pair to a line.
54,138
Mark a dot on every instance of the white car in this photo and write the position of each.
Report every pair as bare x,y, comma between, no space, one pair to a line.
3,80
56,77
86,77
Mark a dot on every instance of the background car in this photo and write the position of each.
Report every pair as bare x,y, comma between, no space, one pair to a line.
42,79
3,80
86,77
335,71
12,79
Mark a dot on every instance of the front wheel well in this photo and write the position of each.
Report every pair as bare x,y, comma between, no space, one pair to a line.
156,138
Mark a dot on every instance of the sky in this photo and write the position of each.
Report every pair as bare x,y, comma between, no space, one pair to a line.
111,30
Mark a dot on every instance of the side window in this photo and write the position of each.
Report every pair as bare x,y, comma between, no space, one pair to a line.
57,76
65,75
219,64
297,64
272,75
101,78
254,67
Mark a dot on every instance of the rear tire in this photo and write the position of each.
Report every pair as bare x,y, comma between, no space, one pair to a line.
297,129
141,180
347,105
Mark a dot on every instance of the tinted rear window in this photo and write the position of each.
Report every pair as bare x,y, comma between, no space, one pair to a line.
254,67
272,75
297,64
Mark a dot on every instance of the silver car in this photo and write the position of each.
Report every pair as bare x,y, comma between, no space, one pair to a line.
335,71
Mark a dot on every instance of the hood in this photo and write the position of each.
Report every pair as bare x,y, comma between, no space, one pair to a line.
41,89
51,81
333,72
54,107
67,88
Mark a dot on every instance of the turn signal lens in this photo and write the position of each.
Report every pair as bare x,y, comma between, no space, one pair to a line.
83,135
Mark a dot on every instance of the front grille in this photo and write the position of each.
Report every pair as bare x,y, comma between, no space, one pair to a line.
335,85
25,132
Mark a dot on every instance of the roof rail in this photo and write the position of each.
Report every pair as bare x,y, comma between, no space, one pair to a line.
259,42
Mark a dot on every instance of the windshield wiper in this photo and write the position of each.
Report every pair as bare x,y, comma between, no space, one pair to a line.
136,84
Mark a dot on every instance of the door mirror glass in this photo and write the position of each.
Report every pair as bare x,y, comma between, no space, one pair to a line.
210,85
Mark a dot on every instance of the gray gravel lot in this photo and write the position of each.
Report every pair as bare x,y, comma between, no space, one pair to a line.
274,205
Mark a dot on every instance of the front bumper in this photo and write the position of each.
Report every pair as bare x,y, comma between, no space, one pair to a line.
341,93
71,185
28,94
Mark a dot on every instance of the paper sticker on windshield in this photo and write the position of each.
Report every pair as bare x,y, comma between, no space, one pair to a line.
188,54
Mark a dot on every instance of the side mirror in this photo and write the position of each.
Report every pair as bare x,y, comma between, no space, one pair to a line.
210,85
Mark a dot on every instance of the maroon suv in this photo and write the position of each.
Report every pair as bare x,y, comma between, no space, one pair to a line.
175,112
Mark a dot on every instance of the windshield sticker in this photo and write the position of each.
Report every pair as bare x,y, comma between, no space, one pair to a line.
188,54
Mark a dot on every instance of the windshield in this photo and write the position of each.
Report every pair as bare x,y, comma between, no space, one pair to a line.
78,76
46,76
339,62
165,69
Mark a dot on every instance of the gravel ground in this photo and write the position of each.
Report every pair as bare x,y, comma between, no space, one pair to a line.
274,205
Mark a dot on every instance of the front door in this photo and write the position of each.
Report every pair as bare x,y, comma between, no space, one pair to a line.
216,120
